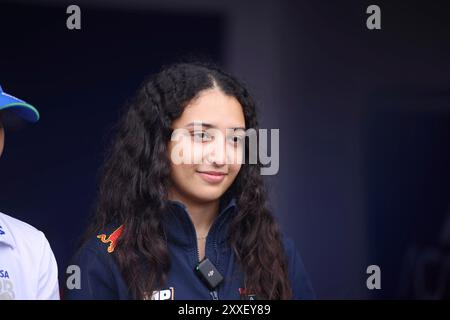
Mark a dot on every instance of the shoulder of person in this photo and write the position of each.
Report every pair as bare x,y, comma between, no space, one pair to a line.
104,242
32,250
22,236
100,274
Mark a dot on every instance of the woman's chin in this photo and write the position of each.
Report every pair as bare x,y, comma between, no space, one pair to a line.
208,195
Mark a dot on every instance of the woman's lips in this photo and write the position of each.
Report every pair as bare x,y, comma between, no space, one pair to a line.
212,177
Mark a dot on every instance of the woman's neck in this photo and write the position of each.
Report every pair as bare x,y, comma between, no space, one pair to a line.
202,214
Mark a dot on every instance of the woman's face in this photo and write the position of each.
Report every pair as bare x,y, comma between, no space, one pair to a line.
206,148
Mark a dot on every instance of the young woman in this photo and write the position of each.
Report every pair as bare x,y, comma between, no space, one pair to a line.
161,223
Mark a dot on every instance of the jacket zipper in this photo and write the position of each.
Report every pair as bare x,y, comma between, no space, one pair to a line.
214,294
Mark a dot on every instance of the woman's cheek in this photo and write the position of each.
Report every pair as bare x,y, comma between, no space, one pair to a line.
234,159
198,153
234,170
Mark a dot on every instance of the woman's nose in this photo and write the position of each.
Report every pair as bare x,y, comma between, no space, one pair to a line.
216,152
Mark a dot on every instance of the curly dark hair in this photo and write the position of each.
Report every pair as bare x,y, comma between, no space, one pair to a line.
136,176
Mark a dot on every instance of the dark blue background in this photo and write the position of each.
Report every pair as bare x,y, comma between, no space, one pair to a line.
364,119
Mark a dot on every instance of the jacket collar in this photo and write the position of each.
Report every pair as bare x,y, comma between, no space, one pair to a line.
179,228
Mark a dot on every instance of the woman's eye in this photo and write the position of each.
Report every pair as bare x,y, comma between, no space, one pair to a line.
236,139
201,136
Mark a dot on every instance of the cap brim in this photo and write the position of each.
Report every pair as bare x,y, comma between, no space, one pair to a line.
23,110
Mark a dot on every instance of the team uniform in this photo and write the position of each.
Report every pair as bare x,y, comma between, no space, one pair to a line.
28,269
102,279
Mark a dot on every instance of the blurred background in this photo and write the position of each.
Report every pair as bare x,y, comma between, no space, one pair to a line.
364,119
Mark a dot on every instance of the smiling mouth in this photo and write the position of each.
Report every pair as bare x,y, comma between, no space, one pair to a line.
212,176
214,173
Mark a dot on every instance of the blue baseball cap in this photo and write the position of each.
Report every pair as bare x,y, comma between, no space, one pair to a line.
19,107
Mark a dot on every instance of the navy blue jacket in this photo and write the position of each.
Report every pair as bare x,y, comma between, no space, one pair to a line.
102,279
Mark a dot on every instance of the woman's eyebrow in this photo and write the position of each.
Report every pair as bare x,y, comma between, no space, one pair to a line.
209,125
200,123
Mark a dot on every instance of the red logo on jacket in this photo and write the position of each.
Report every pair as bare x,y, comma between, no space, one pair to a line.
111,239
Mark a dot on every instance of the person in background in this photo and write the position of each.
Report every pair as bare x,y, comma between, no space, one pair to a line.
28,269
